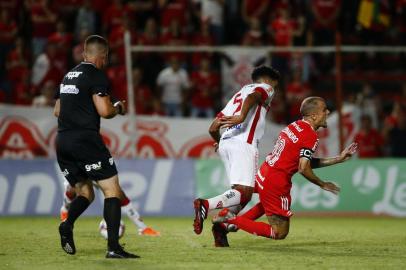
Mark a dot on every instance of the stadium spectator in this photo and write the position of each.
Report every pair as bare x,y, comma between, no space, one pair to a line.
63,41
202,38
43,24
369,140
150,34
8,32
391,122
47,67
174,36
85,20
117,76
254,9
323,26
397,136
46,98
244,120
141,10
145,102
173,85
77,51
212,12
368,102
325,14
150,61
296,92
112,17
292,153
116,37
22,93
282,29
17,61
67,10
254,36
204,90
170,10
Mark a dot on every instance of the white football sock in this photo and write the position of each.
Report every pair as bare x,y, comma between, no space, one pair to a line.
229,198
134,216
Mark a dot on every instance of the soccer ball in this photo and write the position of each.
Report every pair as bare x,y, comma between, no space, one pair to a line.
103,229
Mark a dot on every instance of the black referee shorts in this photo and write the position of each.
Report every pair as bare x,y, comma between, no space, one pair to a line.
82,155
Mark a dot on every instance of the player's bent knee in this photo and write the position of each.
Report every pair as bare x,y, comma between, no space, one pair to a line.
281,236
278,235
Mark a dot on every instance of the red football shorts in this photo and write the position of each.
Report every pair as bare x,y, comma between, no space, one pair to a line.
275,200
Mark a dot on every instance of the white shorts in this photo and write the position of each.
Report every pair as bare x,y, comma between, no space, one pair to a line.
240,160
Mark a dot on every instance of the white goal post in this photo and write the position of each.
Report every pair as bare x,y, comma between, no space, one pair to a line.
336,49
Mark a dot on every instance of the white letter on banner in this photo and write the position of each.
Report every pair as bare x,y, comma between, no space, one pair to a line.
400,195
3,192
310,196
385,206
159,185
24,185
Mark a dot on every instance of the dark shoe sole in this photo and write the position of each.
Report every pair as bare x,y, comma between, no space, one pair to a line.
198,221
220,236
67,243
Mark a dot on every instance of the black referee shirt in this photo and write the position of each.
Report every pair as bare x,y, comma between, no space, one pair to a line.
77,110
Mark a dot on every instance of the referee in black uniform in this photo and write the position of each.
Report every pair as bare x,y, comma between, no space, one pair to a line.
84,97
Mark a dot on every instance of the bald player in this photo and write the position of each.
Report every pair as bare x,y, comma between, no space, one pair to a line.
293,152
84,97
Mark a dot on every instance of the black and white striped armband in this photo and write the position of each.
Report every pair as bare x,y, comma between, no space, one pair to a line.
306,153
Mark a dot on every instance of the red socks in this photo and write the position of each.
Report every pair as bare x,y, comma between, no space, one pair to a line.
124,202
257,228
255,212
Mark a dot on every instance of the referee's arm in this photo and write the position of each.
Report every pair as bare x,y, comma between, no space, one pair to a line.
105,108
57,107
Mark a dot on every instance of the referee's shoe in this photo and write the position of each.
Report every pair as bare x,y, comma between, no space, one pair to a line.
120,253
66,233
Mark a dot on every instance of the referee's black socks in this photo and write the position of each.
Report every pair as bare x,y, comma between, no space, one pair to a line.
77,207
112,216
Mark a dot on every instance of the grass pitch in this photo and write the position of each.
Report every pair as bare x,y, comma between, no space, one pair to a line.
313,243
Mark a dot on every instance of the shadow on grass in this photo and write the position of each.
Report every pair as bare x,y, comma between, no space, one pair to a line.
321,248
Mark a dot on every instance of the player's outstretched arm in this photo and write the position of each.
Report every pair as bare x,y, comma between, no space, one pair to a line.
57,107
251,100
306,170
345,155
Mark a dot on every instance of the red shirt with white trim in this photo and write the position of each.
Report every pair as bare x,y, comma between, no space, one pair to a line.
295,141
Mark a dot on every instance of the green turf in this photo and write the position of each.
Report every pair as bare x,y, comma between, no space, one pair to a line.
313,243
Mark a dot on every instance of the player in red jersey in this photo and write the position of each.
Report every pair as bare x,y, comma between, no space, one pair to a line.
292,153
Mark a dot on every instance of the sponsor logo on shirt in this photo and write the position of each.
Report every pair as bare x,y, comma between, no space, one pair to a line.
239,126
68,89
73,74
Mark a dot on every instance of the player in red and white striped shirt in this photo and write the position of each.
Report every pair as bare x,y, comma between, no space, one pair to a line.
244,121
292,153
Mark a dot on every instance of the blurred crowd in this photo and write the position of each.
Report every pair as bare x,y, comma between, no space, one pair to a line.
40,40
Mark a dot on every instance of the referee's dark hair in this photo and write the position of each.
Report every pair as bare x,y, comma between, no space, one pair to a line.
262,71
309,105
96,40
